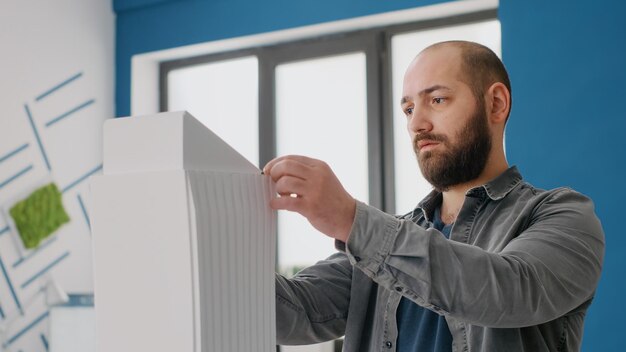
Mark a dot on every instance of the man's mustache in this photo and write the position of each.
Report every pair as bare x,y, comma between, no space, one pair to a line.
429,136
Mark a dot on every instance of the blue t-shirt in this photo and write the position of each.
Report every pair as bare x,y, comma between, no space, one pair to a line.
420,329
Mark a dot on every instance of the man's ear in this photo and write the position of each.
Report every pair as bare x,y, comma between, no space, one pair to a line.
498,99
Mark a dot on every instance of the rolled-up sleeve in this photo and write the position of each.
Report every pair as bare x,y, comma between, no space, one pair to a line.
550,268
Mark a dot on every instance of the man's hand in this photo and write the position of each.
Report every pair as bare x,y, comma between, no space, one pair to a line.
309,187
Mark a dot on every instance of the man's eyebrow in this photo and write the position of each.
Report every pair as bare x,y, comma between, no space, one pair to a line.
425,91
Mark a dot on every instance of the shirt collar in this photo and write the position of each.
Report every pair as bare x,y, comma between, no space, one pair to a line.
495,189
500,186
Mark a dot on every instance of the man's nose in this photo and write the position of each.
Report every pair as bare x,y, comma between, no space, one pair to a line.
418,122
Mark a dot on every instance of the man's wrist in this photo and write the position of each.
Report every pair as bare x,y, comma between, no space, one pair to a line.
348,225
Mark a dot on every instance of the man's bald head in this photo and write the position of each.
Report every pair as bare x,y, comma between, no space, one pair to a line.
480,67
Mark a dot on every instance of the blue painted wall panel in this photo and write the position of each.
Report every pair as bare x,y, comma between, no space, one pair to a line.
568,123
567,67
128,5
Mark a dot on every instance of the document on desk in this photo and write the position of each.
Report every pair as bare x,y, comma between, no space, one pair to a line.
184,241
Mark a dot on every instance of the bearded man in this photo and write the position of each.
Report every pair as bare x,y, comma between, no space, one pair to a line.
486,262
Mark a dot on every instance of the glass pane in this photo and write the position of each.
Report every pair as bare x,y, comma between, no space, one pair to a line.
321,112
410,185
223,96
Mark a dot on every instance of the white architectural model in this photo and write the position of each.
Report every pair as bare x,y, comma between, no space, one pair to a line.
184,241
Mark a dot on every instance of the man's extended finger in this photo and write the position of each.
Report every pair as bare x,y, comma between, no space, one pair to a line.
303,159
289,167
268,167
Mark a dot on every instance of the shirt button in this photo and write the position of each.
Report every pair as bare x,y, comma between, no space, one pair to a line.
388,344
399,289
357,259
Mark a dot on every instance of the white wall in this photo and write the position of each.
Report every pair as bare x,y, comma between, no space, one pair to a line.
45,44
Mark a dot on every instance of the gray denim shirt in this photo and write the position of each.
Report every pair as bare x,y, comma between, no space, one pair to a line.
518,273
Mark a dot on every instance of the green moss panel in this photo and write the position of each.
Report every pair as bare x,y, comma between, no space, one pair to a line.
39,215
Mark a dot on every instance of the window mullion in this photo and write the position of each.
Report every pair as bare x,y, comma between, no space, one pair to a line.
267,107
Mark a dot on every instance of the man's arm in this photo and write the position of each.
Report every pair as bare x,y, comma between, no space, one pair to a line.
548,270
313,306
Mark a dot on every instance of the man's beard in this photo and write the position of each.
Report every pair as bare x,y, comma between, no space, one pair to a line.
459,163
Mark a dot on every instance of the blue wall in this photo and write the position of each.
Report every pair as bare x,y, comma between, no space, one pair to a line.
568,68
567,65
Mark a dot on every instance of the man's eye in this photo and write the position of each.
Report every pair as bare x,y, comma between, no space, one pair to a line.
439,100
408,111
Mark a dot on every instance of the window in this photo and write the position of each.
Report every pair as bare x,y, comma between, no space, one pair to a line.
334,98
224,96
321,112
